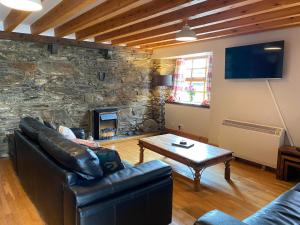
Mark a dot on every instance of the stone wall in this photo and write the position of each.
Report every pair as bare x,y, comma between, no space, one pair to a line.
164,66
160,94
62,87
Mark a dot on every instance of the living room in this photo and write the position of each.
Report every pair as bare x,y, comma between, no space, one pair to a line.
149,112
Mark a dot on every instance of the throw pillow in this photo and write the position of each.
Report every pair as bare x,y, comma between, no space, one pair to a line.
66,132
109,159
79,132
90,144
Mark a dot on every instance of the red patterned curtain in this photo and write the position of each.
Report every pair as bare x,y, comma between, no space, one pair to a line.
179,80
208,80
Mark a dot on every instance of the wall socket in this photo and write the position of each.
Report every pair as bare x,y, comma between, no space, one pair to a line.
180,126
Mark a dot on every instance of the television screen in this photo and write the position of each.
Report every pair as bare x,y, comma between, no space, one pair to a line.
255,61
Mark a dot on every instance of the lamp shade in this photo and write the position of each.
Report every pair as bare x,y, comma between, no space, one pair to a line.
163,80
186,34
24,5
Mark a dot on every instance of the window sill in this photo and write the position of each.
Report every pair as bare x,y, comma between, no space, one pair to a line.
190,105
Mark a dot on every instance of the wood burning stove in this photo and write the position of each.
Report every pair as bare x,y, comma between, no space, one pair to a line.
104,123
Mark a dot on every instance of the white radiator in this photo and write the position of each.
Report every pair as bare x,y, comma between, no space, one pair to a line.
253,142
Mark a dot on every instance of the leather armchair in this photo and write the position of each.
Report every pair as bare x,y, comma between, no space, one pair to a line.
217,217
284,210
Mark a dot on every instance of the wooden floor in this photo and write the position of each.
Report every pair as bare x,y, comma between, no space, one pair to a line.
251,188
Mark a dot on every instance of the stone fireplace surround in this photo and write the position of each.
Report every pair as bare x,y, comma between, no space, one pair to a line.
63,87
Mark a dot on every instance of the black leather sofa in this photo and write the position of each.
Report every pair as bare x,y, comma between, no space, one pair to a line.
136,195
285,210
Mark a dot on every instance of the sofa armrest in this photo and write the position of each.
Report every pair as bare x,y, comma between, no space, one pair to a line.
216,217
123,180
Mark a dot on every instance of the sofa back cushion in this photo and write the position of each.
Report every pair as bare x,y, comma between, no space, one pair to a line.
74,157
32,127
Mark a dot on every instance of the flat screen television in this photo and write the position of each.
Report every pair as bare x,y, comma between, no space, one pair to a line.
259,61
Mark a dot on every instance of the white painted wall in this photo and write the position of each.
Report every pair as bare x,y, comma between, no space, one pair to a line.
192,120
245,100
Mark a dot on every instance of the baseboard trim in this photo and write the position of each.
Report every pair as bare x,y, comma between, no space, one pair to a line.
254,164
134,137
4,156
187,135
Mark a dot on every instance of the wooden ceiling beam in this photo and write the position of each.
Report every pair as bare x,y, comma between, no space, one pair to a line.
239,12
174,16
153,40
136,14
149,34
14,18
264,17
51,40
251,9
93,16
259,27
59,14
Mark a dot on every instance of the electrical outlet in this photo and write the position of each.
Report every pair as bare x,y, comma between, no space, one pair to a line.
180,126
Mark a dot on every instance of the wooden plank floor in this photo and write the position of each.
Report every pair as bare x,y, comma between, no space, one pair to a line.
251,188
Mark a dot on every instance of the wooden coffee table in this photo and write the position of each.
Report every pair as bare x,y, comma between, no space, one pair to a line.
198,157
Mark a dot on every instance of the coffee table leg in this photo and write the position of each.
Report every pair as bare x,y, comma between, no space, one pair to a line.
197,177
141,153
227,169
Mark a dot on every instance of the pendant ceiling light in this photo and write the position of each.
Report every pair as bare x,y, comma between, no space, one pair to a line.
186,34
24,5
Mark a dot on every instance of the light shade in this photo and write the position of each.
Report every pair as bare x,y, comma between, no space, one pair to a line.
186,34
162,80
24,5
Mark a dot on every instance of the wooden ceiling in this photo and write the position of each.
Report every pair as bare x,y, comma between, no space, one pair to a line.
150,24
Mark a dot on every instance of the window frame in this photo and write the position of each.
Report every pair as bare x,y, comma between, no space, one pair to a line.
193,79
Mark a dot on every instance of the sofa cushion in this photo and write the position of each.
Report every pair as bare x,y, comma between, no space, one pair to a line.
32,127
126,164
74,157
283,210
88,192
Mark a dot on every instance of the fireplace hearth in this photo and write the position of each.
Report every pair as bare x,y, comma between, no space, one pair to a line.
104,123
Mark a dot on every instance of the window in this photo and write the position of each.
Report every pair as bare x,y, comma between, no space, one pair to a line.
193,80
